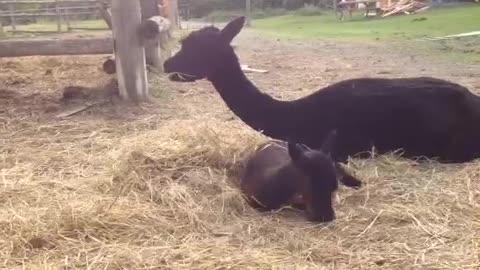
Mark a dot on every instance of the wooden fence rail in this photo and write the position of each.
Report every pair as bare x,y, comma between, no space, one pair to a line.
61,10
48,2
75,46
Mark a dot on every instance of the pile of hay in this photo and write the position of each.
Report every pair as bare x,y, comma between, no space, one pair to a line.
164,200
158,191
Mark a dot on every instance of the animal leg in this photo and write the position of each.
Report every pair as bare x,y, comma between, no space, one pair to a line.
346,178
462,148
298,202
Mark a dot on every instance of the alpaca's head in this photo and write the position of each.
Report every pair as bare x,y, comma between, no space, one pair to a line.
319,170
202,52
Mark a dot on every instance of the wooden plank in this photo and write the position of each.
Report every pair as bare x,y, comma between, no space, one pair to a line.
89,28
247,69
467,34
129,52
75,109
398,9
44,14
38,10
47,2
356,2
106,14
33,31
77,46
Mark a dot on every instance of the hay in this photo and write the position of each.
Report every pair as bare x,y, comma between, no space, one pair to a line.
158,191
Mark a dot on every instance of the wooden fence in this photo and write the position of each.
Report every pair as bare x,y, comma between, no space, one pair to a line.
61,10
140,36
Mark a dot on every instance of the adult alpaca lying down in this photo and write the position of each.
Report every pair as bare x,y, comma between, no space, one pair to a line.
425,117
281,173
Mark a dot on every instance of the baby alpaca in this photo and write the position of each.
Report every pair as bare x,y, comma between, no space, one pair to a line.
281,173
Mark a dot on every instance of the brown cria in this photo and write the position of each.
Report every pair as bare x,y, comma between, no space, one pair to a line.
422,116
281,173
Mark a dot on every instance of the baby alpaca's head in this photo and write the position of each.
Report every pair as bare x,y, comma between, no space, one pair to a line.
321,183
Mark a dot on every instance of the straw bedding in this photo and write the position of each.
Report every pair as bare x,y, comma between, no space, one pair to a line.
155,188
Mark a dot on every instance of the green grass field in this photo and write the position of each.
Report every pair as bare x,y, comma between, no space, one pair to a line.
439,21
403,29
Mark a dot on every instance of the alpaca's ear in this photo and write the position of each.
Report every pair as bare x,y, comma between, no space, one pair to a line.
232,29
328,144
296,151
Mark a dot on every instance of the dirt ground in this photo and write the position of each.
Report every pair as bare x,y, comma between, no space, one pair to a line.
125,187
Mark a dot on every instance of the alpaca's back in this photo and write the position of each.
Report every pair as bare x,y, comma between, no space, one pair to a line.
422,116
418,115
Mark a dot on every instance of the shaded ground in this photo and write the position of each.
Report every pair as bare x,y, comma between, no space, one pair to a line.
149,188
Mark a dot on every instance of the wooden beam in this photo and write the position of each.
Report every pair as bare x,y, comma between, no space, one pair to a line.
33,31
89,28
45,14
75,46
48,2
105,13
173,15
129,52
248,12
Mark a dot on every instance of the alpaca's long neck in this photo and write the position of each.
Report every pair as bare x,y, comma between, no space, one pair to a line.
258,110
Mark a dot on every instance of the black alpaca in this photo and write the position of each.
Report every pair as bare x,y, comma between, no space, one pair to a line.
281,173
424,117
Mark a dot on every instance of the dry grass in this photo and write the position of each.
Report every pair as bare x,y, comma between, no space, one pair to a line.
154,188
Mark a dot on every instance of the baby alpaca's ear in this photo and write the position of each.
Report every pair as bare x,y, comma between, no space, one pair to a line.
296,151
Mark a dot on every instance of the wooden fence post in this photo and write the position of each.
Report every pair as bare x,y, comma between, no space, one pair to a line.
173,15
12,16
66,18
248,12
58,16
129,52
